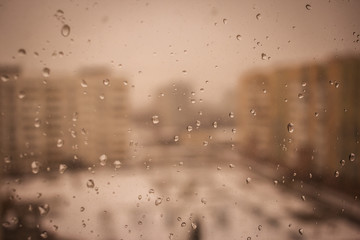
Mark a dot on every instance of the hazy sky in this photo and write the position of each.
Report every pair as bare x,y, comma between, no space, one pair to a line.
161,41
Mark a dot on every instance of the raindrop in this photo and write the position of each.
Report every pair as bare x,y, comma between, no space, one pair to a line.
7,159
238,37
103,158
155,119
290,127
62,168
117,164
60,143
258,16
21,95
189,128
336,174
342,162
83,83
203,200
231,115
90,183
193,225
158,201
176,138
106,82
308,6
65,30
22,52
301,231
37,122
46,72
352,157
44,235
44,209
4,78
198,123
35,167
248,180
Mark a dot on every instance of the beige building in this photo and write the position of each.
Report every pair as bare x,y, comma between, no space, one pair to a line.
69,120
305,118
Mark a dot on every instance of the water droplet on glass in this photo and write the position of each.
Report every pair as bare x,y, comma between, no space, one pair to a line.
7,159
303,198
102,96
37,122
151,190
183,224
203,200
352,157
231,165
44,209
21,95
336,174
158,201
62,168
337,85
117,164
176,138
22,52
83,83
106,82
258,16
46,72
82,209
178,218
44,235
248,180
215,124
225,21
103,158
342,162
290,127
60,143
252,111
308,6
301,231
90,183
263,56
300,95
155,119
171,235
35,167
65,30
303,84
238,37
231,115
205,143
193,225
198,123
189,128
139,197
4,78
259,227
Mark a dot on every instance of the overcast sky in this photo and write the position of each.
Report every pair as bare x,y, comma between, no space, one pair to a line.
158,42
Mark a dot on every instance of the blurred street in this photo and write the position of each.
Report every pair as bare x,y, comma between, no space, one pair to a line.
219,194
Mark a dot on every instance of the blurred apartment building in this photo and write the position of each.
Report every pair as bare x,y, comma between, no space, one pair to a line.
70,120
305,118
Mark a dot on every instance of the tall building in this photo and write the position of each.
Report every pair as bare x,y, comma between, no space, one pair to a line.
69,120
305,118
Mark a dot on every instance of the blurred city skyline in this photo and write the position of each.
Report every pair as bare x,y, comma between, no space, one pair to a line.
151,43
